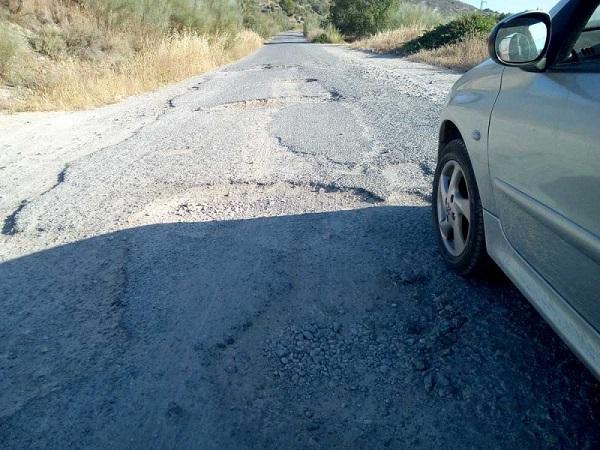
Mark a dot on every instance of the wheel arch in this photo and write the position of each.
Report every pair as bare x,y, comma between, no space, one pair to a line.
448,132
476,156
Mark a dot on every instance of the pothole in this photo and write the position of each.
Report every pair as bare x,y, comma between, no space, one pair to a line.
247,201
280,66
264,67
274,102
299,81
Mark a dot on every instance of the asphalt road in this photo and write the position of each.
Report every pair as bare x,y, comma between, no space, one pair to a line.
245,260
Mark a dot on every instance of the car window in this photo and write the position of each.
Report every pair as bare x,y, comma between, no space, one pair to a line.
594,22
588,44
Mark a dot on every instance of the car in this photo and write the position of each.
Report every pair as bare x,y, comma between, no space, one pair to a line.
517,184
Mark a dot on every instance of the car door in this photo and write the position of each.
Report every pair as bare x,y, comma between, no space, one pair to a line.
544,154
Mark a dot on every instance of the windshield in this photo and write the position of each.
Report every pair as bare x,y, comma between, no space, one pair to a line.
594,21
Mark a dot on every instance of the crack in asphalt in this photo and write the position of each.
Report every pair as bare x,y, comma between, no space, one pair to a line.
335,95
293,149
60,178
171,101
10,222
330,188
9,226
364,194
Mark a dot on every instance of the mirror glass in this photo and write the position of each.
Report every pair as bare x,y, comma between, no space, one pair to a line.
521,40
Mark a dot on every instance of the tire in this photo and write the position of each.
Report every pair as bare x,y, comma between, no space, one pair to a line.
458,213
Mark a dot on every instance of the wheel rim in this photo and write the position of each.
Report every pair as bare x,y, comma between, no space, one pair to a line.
454,208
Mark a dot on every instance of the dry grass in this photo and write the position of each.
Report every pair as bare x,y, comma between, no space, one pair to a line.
61,55
461,56
388,41
77,83
404,14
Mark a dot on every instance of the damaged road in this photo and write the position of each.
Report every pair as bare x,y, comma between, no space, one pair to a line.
245,260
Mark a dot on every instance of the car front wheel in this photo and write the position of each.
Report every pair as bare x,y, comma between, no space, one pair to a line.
457,212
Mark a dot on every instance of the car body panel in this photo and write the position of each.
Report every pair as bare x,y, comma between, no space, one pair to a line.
577,144
568,256
468,108
545,169
515,124
580,336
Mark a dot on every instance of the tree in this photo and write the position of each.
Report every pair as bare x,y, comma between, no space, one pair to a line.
360,17
288,6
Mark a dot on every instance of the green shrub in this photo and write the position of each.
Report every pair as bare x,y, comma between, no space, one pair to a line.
319,7
207,16
123,13
455,31
204,16
17,64
288,6
306,28
266,25
321,39
83,39
360,17
330,35
310,24
50,42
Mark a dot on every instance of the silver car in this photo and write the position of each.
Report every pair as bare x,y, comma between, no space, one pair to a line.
518,175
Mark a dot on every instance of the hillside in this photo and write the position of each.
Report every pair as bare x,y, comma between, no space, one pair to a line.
298,10
446,7
452,7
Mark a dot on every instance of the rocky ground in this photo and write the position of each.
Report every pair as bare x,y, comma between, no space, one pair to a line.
245,260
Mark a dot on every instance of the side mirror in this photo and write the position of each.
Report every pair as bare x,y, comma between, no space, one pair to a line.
522,41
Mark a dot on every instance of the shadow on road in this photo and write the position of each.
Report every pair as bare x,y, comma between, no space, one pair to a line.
334,330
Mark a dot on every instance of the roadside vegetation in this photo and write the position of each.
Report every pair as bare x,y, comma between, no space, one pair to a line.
412,30
459,44
69,54
326,35
461,56
409,15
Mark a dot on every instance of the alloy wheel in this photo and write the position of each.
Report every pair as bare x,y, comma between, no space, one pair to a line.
454,208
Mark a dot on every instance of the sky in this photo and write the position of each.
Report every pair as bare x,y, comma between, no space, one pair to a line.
515,5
